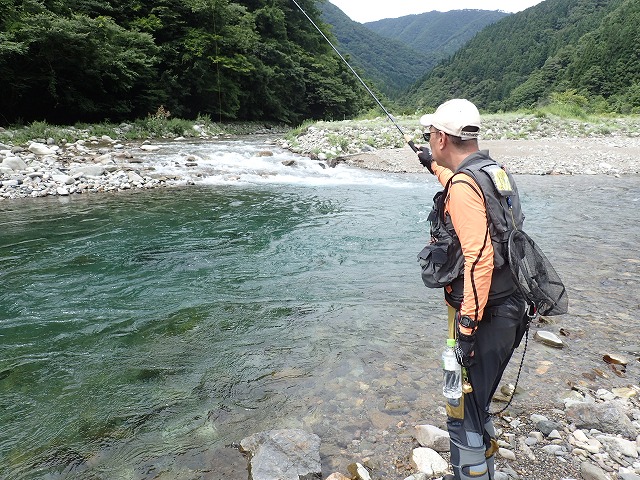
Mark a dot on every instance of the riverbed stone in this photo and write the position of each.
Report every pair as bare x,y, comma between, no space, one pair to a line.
283,454
89,170
592,472
14,163
432,437
607,417
506,454
548,338
616,444
337,476
63,179
41,149
428,461
358,472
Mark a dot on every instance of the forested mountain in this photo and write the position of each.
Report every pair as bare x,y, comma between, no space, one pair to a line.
581,51
390,65
396,52
81,60
437,34
74,61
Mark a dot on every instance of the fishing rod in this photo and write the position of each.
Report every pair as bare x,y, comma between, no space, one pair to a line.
405,136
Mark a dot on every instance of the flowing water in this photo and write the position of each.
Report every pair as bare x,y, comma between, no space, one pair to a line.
143,332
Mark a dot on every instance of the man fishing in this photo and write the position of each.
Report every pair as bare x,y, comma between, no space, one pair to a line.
487,313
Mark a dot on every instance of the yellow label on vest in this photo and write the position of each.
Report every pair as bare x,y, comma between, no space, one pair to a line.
500,180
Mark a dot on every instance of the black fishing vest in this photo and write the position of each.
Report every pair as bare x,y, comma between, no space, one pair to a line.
442,260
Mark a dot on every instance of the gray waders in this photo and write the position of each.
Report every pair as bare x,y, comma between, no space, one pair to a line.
471,429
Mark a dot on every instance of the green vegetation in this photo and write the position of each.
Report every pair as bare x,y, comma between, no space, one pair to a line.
394,53
578,56
390,66
152,127
170,64
80,60
436,34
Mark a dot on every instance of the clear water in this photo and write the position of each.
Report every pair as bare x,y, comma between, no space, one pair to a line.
142,332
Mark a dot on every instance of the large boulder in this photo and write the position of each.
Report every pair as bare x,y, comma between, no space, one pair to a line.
607,417
283,455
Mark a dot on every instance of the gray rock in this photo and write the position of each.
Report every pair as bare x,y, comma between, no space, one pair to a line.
14,163
606,417
592,472
14,182
428,461
506,454
417,476
554,450
628,476
620,445
510,472
89,170
283,454
64,179
545,425
40,149
432,437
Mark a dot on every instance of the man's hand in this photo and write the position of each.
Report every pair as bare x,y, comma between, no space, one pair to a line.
465,340
425,158
465,346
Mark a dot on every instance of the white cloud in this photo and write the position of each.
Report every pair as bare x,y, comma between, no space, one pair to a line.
370,10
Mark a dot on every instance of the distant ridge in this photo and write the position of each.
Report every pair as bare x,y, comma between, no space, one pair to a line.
395,53
390,64
433,31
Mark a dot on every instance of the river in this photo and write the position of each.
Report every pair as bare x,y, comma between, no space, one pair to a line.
143,332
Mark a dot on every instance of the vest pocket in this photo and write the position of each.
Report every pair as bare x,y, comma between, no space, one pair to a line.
441,263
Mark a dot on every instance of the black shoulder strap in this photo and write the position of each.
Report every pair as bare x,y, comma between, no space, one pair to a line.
466,183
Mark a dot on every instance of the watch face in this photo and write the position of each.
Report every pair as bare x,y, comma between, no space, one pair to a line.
467,322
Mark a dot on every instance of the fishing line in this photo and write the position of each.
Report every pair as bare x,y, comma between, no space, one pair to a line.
406,137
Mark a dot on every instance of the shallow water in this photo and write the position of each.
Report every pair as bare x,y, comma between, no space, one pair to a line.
141,332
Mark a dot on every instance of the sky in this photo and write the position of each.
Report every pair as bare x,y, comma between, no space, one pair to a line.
371,10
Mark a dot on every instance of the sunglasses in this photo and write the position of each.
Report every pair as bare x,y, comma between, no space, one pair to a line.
427,135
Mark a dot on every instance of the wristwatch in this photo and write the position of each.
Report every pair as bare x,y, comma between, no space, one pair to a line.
466,322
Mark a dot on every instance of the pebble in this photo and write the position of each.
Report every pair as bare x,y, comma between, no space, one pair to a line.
549,338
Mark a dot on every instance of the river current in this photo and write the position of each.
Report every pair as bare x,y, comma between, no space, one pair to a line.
142,333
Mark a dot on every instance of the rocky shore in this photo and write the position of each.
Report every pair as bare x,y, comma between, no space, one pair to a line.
525,144
582,432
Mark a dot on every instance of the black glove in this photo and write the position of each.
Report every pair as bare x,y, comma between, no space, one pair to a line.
425,158
465,345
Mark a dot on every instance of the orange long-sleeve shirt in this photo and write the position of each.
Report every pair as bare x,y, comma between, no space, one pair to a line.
466,208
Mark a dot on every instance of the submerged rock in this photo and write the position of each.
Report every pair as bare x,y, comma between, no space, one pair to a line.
283,454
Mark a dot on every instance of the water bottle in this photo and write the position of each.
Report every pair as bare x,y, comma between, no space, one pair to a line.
452,387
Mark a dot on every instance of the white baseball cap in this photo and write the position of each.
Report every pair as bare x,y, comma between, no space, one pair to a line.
457,117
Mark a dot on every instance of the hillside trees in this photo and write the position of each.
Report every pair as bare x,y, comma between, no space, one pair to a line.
607,60
586,46
73,66
82,60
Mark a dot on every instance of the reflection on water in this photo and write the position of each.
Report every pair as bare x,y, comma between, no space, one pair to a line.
143,332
